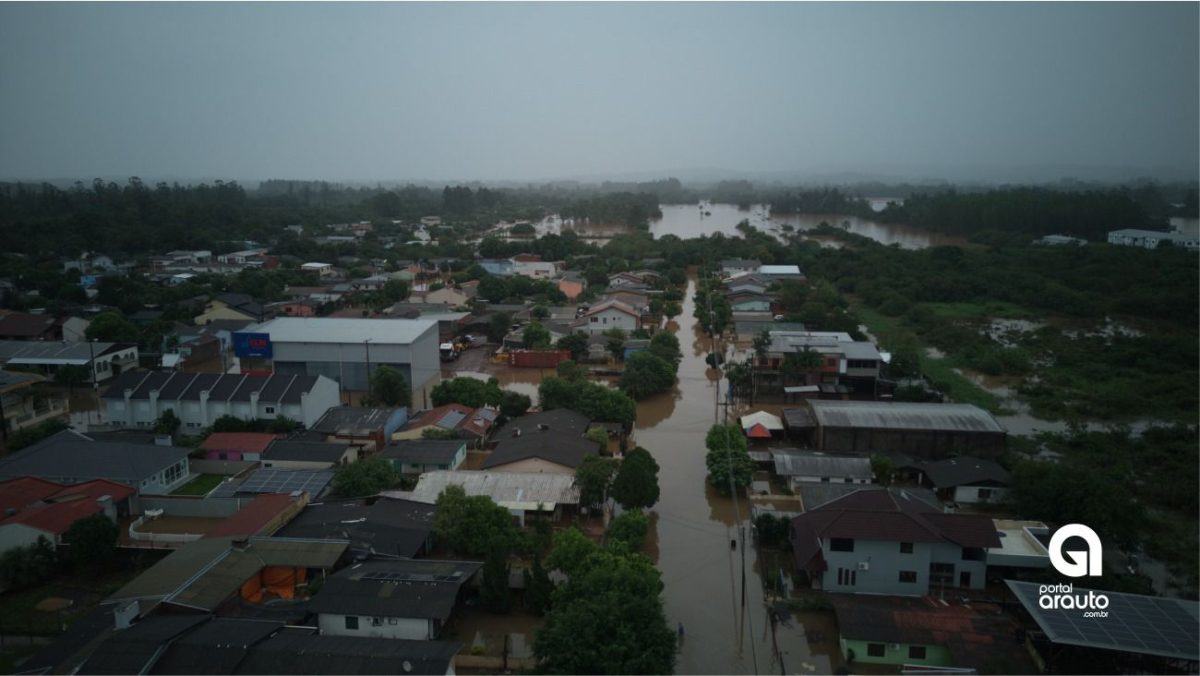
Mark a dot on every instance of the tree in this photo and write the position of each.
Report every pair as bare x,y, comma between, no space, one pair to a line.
168,423
596,401
31,435
389,387
28,566
881,467
514,404
494,593
92,540
599,435
569,370
594,478
473,525
802,362
727,460
672,309
536,337
499,325
576,343
363,477
616,342
394,291
607,619
72,375
468,392
762,343
665,346
645,374
570,551
112,327
538,587
629,528
283,425
636,483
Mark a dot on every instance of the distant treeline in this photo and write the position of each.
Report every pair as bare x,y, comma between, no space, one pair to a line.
1039,211
619,208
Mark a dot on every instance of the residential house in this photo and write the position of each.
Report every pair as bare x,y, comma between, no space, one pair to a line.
296,308
376,527
25,403
761,425
362,600
367,427
877,542
1150,239
34,508
532,265
324,270
814,467
1022,547
842,361
237,446
471,423
447,295
240,257
611,314
918,429
963,479
523,494
231,306
300,650
307,455
69,457
550,441
25,326
928,633
782,272
101,360
498,267
619,280
746,301
137,399
417,456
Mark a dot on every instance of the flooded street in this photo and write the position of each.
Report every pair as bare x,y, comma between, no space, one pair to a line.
691,530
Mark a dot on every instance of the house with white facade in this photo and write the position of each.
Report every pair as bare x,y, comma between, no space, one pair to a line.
404,599
70,458
815,467
1152,239
881,542
963,479
137,399
611,314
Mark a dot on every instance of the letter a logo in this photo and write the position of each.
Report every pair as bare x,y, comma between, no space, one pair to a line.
1076,563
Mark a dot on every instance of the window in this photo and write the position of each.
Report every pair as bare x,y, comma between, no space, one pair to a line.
848,480
841,545
906,548
824,479
847,577
875,649
985,493
376,622
908,576
270,409
916,652
393,620
351,622
941,573
973,554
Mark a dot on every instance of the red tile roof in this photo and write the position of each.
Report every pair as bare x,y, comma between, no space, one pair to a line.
22,492
54,513
265,514
245,442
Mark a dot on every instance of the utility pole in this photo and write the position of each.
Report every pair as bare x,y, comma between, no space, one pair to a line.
367,346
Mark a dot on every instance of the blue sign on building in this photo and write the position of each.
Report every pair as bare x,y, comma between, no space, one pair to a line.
252,345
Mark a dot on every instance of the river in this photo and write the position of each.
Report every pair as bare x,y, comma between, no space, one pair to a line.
707,218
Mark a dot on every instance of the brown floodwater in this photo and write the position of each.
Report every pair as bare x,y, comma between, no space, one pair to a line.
692,526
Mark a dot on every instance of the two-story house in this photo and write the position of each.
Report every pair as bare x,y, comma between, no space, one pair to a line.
612,314
880,542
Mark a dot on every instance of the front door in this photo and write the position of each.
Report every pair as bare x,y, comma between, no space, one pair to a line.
964,578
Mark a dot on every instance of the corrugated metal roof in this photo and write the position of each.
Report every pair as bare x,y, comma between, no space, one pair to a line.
809,463
903,415
504,488
345,330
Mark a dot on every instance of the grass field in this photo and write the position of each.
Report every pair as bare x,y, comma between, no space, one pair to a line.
201,485
990,310
941,371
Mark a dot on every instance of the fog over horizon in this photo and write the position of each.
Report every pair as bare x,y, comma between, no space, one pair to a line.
516,92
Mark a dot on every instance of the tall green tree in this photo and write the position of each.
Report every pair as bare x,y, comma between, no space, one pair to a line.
630,529
636,483
538,587
92,541
646,374
536,336
499,325
600,403
727,460
168,423
112,327
616,342
594,478
493,590
576,342
473,525
514,404
665,346
389,387
607,619
363,477
468,392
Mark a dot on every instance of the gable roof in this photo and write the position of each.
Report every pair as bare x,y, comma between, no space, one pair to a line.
886,517
453,416
306,451
420,588
354,420
55,512
388,527
511,490
611,304
563,419
71,455
134,650
903,415
424,451
809,463
175,385
963,471
215,647
244,442
23,325
555,436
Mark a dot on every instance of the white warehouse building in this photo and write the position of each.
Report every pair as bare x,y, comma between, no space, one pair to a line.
343,349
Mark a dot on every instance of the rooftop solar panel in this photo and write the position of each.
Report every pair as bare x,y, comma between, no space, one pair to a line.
1148,625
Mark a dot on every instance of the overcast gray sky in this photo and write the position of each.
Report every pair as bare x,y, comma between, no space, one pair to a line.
532,91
